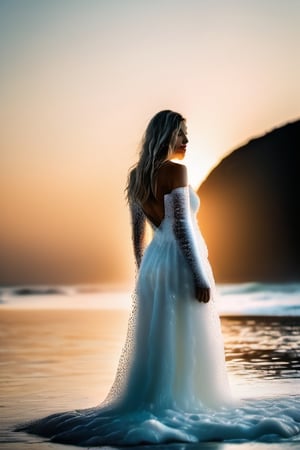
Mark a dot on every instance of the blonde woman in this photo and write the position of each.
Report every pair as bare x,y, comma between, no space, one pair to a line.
172,368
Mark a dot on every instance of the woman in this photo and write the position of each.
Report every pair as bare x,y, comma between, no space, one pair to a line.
172,365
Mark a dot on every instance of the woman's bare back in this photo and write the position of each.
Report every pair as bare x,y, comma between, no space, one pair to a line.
170,176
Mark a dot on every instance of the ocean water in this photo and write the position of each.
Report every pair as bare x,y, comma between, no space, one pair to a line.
245,299
60,347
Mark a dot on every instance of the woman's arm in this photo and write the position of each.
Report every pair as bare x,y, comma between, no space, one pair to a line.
184,232
138,222
183,229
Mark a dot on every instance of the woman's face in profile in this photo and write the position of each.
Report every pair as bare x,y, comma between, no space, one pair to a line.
180,143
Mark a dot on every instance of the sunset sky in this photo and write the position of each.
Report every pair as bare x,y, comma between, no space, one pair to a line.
80,79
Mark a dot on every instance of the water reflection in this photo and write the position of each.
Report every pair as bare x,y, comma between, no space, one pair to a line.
262,347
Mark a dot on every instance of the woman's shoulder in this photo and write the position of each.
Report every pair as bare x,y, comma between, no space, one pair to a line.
170,176
172,167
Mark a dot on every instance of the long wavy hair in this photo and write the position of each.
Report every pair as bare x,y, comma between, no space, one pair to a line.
157,145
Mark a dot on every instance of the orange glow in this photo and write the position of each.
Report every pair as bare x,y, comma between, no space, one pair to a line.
74,110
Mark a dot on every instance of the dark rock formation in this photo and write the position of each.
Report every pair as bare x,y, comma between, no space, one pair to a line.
250,207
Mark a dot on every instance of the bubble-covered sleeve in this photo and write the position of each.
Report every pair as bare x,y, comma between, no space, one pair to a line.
138,226
185,235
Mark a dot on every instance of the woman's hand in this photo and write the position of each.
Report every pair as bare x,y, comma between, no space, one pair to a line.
202,294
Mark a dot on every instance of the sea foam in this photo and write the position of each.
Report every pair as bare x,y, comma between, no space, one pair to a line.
262,420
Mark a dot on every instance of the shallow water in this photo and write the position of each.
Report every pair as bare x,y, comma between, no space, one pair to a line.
263,347
56,360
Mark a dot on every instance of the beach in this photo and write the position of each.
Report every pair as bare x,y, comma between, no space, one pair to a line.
62,359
